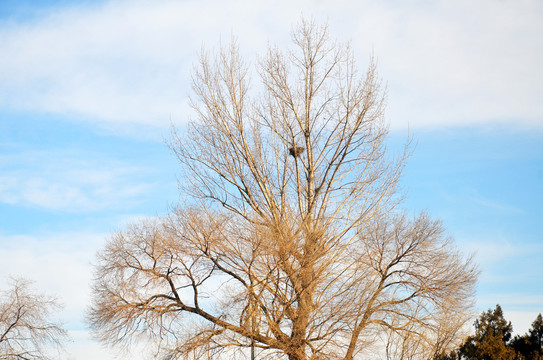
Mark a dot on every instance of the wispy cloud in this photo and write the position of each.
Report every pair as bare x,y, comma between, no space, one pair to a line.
507,266
130,61
498,250
496,206
71,182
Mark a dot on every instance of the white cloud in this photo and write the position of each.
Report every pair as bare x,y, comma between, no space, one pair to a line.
507,271
129,61
504,261
494,249
521,320
461,61
70,181
84,347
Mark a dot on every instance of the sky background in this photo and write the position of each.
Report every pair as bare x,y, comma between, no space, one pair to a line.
88,88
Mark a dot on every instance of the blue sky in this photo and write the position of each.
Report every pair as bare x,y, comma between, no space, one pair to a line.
87,90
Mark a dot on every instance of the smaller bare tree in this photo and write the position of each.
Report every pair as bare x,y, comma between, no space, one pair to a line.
443,331
26,328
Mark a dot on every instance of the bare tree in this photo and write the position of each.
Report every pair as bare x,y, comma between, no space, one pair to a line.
439,336
26,330
289,237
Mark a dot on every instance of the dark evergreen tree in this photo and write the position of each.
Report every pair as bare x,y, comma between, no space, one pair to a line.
529,346
490,342
536,336
522,346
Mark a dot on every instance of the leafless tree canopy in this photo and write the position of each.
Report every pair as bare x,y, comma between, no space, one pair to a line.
26,330
289,237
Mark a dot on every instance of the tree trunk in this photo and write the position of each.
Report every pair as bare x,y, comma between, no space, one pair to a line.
297,354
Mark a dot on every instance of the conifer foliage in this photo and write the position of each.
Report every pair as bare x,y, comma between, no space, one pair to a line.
493,340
